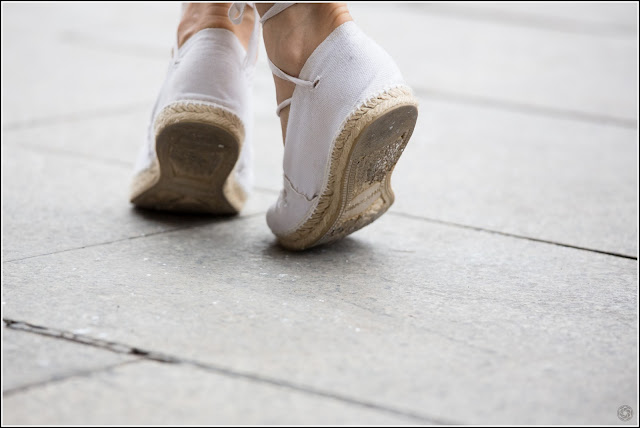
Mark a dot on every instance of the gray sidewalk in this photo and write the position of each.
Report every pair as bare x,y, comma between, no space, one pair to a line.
502,286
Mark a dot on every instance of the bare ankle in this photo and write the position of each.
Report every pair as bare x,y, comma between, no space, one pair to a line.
291,36
198,16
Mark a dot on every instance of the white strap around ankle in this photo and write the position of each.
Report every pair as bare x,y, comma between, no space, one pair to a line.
236,13
273,11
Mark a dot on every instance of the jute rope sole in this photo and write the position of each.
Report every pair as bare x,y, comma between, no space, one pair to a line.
358,188
197,148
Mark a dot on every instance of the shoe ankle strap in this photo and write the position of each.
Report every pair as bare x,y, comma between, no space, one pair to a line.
273,11
236,13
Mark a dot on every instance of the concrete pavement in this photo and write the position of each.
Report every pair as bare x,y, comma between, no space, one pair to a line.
502,286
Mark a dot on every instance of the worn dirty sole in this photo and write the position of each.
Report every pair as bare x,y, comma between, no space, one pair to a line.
196,152
359,185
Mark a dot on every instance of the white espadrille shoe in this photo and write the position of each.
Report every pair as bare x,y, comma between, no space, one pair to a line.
351,116
197,157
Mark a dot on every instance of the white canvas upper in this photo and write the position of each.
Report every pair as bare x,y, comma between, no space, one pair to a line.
211,68
346,70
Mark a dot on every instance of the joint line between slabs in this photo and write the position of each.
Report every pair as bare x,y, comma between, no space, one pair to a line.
512,235
165,358
146,235
56,379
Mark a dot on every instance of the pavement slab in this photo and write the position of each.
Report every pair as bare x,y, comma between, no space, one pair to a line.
419,316
31,360
501,288
156,393
66,201
575,183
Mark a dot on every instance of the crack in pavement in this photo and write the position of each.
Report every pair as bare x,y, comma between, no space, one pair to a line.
399,214
144,235
524,108
511,235
145,354
61,378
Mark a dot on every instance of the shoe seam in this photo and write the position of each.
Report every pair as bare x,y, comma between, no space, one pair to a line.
357,107
316,198
298,191
196,102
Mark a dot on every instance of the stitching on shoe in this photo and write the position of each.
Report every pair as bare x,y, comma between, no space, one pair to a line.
356,111
316,211
180,110
301,231
183,104
299,192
